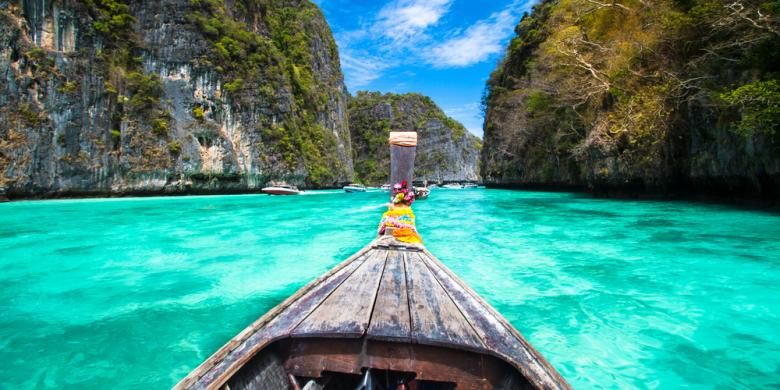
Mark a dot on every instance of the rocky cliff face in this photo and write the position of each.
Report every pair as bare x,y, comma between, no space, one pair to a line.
446,150
124,96
630,98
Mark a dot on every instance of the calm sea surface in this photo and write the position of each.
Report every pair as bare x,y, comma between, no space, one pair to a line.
125,293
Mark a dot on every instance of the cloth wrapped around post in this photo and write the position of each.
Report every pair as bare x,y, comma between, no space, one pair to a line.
398,220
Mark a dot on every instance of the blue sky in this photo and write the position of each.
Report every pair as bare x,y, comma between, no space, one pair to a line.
445,49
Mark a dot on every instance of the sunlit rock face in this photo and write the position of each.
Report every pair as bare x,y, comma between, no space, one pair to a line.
171,96
600,98
446,151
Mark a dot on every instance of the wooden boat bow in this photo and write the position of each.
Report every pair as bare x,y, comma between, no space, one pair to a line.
387,293
392,307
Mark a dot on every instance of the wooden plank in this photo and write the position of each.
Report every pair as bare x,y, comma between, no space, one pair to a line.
285,317
435,318
275,324
390,319
311,357
500,338
347,311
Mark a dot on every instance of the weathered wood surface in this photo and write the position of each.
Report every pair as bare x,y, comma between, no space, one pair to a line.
388,291
435,318
390,320
275,324
346,312
496,333
311,357
402,164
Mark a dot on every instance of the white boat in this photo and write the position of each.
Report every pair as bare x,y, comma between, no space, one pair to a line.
355,188
421,193
281,189
456,186
469,185
385,187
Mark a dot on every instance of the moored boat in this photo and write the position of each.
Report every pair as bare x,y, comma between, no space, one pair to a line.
455,186
421,193
391,316
470,185
281,189
385,187
355,188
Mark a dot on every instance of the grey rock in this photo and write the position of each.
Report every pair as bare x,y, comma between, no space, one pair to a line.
62,133
446,151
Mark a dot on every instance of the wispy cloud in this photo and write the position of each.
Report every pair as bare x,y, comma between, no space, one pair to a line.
477,43
469,109
469,115
405,20
361,70
418,32
388,38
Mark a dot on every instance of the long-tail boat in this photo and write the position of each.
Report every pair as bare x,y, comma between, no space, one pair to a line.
391,316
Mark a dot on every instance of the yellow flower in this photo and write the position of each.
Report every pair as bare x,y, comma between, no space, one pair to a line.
397,212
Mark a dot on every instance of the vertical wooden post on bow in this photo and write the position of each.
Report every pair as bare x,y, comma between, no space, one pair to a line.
403,146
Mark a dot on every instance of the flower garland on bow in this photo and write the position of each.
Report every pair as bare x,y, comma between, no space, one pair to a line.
399,216
402,195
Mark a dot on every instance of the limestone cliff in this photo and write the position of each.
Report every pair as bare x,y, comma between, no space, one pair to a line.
127,96
446,151
631,97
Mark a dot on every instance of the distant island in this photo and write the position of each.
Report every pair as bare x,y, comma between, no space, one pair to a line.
446,152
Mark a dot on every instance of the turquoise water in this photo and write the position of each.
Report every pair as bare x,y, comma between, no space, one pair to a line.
136,292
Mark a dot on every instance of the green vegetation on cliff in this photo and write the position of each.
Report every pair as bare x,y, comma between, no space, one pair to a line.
281,60
135,98
638,96
119,96
137,95
446,150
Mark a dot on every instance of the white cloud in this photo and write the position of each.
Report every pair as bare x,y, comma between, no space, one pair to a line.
405,20
414,33
477,43
362,70
468,108
387,39
470,115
